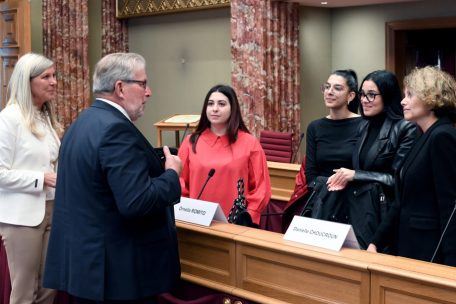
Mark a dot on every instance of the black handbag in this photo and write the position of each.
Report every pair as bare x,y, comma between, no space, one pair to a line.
238,214
323,204
363,205
368,206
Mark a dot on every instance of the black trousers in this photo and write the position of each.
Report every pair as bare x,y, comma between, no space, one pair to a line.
150,300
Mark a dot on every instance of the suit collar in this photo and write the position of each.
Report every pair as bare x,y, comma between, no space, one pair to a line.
421,142
105,106
115,105
110,106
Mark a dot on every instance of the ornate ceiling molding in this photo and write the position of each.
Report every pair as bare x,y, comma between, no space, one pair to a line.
137,8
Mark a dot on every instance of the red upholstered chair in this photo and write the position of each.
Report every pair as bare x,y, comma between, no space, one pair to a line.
5,284
278,146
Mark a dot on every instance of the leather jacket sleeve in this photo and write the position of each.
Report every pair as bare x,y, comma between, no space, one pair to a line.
403,136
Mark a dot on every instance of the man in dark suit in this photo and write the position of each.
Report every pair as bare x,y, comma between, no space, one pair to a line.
113,237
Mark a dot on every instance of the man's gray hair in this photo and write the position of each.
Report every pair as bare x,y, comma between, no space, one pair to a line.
114,67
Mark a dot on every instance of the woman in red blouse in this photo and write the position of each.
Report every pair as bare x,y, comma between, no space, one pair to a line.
222,142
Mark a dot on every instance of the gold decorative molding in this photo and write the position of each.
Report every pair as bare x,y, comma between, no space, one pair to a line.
137,8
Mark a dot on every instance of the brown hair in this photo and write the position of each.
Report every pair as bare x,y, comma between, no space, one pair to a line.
235,122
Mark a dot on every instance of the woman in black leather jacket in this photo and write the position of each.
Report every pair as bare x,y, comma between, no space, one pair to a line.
385,139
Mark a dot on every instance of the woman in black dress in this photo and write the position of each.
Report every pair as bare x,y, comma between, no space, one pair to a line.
330,140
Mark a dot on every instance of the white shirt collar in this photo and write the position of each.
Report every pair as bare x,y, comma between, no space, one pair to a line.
117,106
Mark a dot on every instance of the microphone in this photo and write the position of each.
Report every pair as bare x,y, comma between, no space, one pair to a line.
299,146
209,175
185,132
443,233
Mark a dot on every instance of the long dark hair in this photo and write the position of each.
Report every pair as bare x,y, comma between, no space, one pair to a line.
352,82
388,85
235,122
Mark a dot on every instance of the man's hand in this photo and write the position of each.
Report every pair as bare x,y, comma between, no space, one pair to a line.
172,161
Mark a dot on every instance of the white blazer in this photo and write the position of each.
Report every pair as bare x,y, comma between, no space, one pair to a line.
24,159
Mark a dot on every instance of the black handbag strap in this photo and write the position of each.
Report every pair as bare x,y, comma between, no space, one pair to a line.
241,197
239,204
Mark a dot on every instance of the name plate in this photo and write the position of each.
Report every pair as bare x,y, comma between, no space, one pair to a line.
319,233
198,212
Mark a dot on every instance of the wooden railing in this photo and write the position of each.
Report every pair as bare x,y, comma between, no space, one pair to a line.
283,177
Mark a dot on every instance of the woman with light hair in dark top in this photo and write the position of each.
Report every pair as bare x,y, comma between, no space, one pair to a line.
422,221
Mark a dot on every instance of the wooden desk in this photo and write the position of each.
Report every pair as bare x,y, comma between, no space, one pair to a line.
283,177
261,266
175,123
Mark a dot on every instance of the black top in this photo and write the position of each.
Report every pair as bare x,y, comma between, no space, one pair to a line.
426,195
330,145
376,122
379,152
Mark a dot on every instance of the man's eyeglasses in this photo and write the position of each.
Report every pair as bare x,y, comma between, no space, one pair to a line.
370,96
142,83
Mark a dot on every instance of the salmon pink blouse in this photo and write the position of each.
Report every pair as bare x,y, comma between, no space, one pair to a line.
245,158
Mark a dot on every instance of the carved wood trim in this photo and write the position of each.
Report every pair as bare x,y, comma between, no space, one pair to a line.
15,39
137,8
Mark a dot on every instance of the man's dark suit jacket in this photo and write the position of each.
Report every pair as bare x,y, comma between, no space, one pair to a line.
113,234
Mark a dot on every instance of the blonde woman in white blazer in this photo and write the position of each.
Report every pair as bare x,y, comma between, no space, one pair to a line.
29,147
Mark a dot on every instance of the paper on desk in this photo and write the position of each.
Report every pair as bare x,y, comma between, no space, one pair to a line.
184,118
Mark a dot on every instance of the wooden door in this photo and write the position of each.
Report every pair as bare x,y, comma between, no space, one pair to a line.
437,35
15,39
